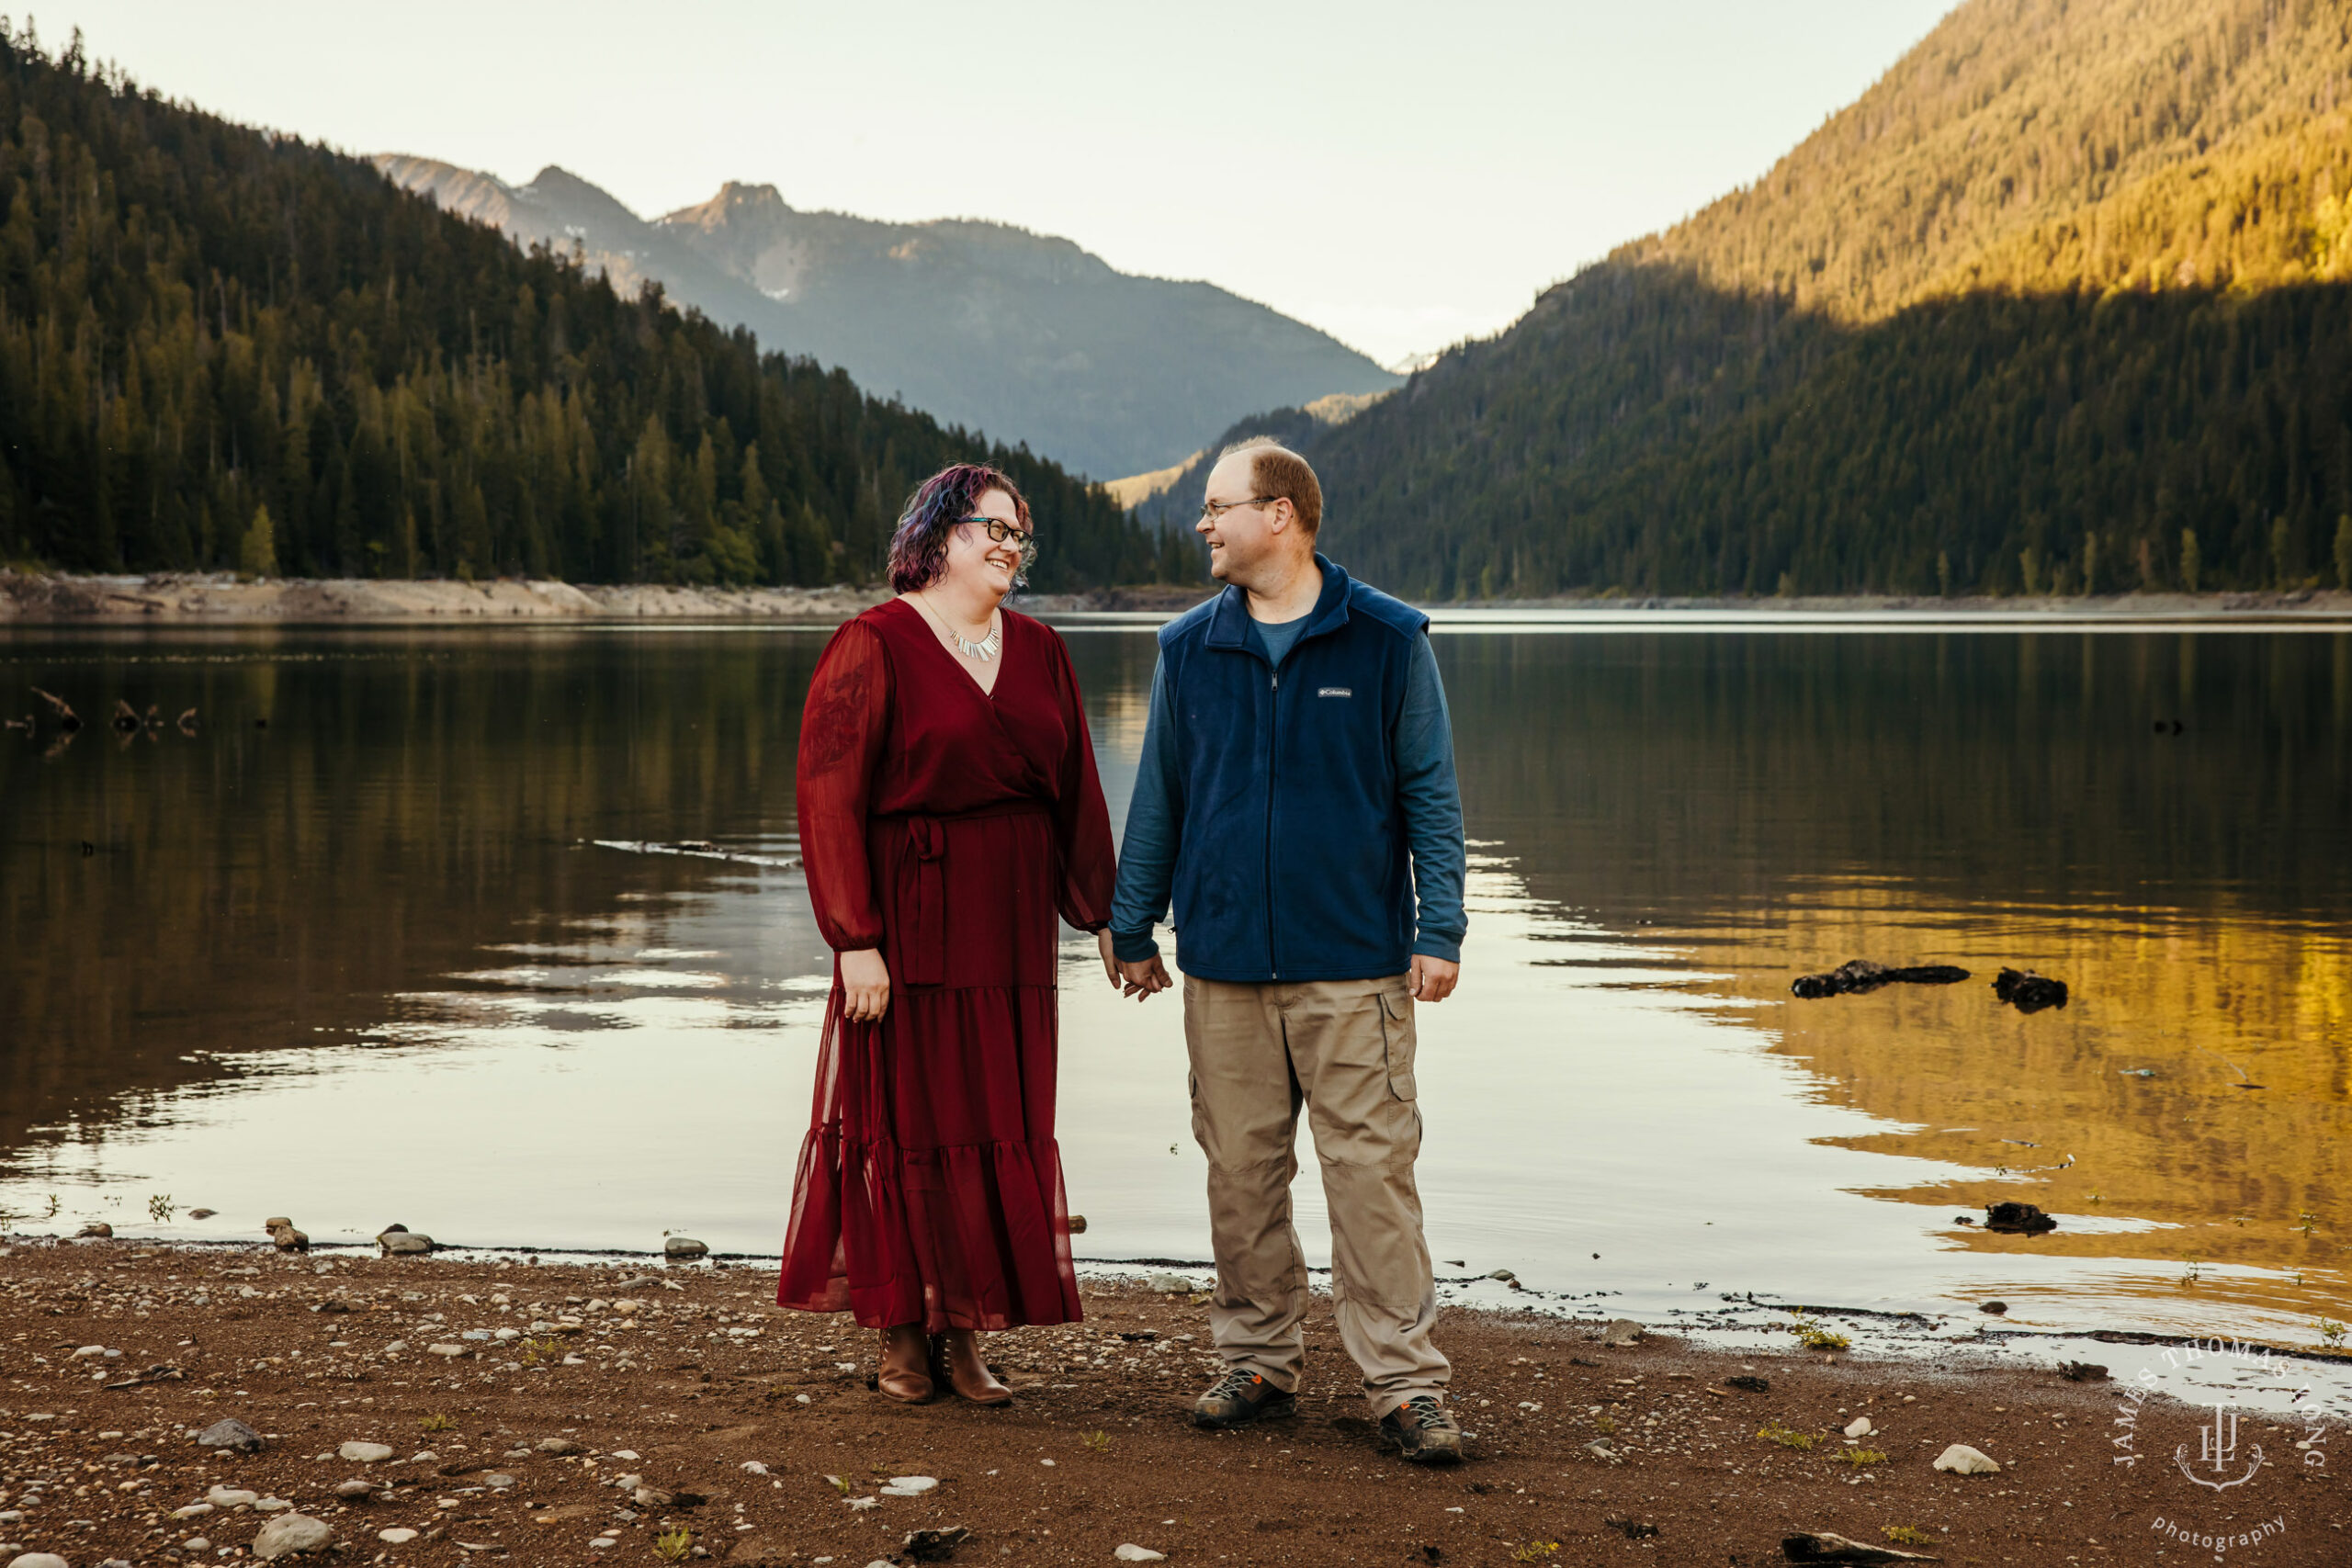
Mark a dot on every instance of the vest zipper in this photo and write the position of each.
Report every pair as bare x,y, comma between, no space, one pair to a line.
1273,732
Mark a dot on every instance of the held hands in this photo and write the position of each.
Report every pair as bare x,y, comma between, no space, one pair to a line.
1433,978
866,985
1147,978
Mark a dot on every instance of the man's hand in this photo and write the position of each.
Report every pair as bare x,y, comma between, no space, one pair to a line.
1433,978
866,985
1144,979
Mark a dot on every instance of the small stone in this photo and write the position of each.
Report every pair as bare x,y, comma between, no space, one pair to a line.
444,1349
1995,1308
1170,1283
498,1481
859,1504
290,1533
558,1446
935,1545
651,1499
201,1213
1859,1427
196,1543
1620,1333
1505,1275
1961,1459
354,1488
97,1229
37,1560
753,1467
230,1433
398,1534
365,1453
684,1246
231,1498
1129,1551
910,1485
193,1511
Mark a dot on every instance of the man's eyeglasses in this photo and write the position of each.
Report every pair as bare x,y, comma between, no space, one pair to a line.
1001,531
1214,511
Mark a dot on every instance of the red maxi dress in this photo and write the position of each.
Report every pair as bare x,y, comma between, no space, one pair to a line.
947,827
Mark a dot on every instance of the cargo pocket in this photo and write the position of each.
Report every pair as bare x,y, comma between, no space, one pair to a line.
1397,1037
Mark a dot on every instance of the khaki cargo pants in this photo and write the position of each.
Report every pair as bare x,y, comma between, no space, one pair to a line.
1344,1050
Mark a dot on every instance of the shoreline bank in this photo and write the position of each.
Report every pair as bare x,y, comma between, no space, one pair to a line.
508,1398
222,599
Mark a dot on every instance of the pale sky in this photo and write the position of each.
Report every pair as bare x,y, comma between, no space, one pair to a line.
1403,175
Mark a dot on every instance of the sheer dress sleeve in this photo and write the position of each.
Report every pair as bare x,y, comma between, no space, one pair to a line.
1081,821
842,732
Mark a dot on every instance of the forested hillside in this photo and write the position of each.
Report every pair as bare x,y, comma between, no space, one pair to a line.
224,349
2063,301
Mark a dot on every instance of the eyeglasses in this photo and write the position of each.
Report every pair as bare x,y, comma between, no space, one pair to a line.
1000,531
1214,511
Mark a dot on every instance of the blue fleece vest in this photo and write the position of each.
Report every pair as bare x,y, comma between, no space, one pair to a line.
1294,863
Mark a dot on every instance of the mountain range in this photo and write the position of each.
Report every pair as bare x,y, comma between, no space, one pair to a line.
2062,303
1024,336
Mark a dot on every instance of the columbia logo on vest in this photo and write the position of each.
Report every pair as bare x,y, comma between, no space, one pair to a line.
1335,691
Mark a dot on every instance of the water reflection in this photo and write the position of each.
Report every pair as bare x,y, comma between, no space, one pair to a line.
372,962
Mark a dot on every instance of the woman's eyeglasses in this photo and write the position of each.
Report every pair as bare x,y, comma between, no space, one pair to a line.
1001,531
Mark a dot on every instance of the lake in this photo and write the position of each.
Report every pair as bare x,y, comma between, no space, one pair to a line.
382,940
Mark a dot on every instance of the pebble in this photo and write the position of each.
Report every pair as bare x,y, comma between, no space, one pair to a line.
1622,1332
860,1505
684,1246
1170,1283
95,1228
398,1535
1859,1427
365,1453
231,1498
193,1511
354,1488
910,1485
753,1467
196,1543
290,1533
558,1446
498,1481
1130,1553
37,1560
230,1433
1961,1459
444,1349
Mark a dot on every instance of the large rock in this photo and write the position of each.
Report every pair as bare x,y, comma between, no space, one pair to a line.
2028,992
37,1560
399,1242
230,1433
1961,1459
685,1246
290,1534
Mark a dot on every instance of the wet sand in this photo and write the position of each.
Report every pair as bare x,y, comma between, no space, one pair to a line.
759,1442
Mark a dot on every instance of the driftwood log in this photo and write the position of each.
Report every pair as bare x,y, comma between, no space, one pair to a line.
1858,974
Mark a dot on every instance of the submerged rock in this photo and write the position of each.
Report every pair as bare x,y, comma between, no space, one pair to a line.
1860,975
2017,1219
2028,992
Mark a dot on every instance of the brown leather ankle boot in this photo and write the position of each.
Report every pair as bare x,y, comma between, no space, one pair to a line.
905,1374
955,1360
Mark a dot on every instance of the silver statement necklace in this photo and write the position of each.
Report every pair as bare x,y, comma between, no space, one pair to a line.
987,648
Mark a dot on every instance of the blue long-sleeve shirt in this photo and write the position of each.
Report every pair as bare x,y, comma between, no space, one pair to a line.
1421,742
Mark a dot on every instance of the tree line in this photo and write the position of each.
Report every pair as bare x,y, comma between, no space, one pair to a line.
225,349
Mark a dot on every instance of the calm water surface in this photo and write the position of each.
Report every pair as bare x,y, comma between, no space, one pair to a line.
371,963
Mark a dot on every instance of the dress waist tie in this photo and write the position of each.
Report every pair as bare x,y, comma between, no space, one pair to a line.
922,885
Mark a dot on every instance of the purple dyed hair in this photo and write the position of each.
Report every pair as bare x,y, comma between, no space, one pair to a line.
918,549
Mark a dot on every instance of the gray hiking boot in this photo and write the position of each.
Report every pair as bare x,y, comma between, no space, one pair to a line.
1423,1431
1238,1398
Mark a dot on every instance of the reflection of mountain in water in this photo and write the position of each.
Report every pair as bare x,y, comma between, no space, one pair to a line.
1775,804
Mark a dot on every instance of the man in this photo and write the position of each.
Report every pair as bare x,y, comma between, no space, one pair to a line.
1296,791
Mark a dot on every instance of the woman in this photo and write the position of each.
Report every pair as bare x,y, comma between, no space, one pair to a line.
949,812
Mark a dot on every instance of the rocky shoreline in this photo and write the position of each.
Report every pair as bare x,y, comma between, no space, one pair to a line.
223,598
415,1409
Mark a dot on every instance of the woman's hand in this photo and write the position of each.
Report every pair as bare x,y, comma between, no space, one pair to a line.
1110,960
866,985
